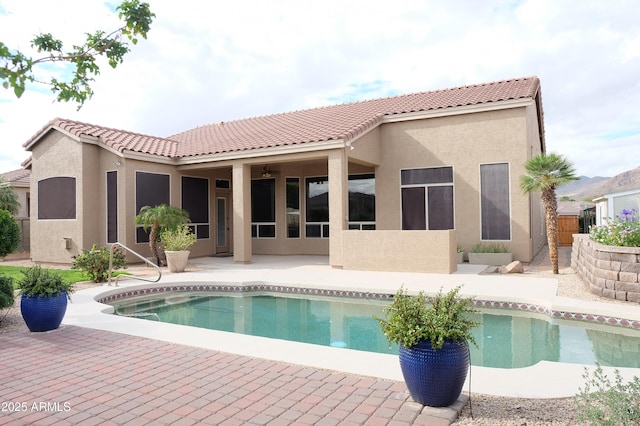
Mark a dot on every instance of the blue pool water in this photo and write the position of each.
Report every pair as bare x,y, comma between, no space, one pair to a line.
505,339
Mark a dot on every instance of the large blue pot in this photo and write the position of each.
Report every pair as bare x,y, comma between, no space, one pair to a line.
43,313
435,377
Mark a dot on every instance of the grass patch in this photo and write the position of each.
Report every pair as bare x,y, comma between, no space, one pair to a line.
69,275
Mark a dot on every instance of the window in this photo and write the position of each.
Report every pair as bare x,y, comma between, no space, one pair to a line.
427,198
223,183
362,201
57,198
195,200
317,204
152,189
494,201
293,207
112,207
263,208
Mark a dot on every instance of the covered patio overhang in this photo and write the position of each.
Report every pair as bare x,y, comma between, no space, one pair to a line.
331,164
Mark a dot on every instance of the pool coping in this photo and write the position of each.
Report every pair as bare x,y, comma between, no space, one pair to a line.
543,380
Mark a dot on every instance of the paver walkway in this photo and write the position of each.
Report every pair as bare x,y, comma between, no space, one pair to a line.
79,376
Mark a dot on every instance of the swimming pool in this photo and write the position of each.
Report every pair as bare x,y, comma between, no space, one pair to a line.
518,337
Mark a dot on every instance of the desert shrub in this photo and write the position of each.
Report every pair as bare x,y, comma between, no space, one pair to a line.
95,262
623,231
9,233
601,402
6,292
489,248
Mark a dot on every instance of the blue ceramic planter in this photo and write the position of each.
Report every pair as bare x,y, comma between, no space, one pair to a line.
43,313
435,377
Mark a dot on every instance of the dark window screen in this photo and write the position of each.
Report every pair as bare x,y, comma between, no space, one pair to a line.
152,189
57,198
413,209
440,207
195,198
494,189
112,207
426,176
263,200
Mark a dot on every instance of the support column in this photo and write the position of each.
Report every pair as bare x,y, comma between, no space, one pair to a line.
338,204
241,174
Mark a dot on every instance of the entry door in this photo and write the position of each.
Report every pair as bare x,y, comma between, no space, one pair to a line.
222,225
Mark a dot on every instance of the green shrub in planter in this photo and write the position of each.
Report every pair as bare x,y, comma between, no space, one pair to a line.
489,248
39,282
95,262
178,238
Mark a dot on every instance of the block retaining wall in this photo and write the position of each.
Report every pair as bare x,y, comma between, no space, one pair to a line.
610,271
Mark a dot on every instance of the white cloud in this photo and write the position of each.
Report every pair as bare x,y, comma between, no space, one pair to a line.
206,62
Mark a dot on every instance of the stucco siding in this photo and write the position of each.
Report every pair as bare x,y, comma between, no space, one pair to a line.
57,156
463,142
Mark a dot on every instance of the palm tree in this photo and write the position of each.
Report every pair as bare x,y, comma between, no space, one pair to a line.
157,218
545,173
8,197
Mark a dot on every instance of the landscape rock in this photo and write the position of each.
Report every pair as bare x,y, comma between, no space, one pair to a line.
514,267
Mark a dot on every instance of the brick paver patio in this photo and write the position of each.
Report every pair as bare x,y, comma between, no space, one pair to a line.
80,376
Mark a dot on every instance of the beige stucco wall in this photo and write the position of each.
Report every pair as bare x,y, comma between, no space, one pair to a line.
464,142
400,251
56,156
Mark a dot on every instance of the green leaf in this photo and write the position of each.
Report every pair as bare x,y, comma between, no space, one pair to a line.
18,90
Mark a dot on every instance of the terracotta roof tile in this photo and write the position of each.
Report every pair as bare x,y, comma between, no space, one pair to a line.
119,140
20,175
345,121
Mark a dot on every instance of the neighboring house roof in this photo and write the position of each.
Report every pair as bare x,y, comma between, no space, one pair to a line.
573,208
338,122
20,177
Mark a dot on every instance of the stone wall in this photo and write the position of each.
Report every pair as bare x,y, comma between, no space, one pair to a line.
612,272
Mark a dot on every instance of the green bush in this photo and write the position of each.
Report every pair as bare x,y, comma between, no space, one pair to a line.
9,233
95,262
37,281
6,292
178,238
601,402
489,248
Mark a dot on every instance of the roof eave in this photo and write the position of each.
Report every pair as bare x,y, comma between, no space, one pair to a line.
263,152
458,110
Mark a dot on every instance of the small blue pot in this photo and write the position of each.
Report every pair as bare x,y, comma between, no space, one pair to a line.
43,313
435,377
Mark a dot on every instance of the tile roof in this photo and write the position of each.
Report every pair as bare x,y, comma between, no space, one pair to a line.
20,175
345,121
118,140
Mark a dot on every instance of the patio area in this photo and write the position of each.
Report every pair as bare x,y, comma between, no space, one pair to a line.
106,369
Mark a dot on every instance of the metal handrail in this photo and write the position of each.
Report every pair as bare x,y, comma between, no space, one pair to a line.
131,276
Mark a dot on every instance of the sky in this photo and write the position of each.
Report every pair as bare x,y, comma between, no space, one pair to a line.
207,61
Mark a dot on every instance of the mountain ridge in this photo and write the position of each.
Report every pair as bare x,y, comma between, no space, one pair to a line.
587,188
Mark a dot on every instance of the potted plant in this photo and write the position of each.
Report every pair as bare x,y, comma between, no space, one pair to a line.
459,255
157,219
490,254
433,335
176,242
44,297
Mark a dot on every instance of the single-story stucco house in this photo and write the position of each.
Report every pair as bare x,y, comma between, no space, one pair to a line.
385,184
